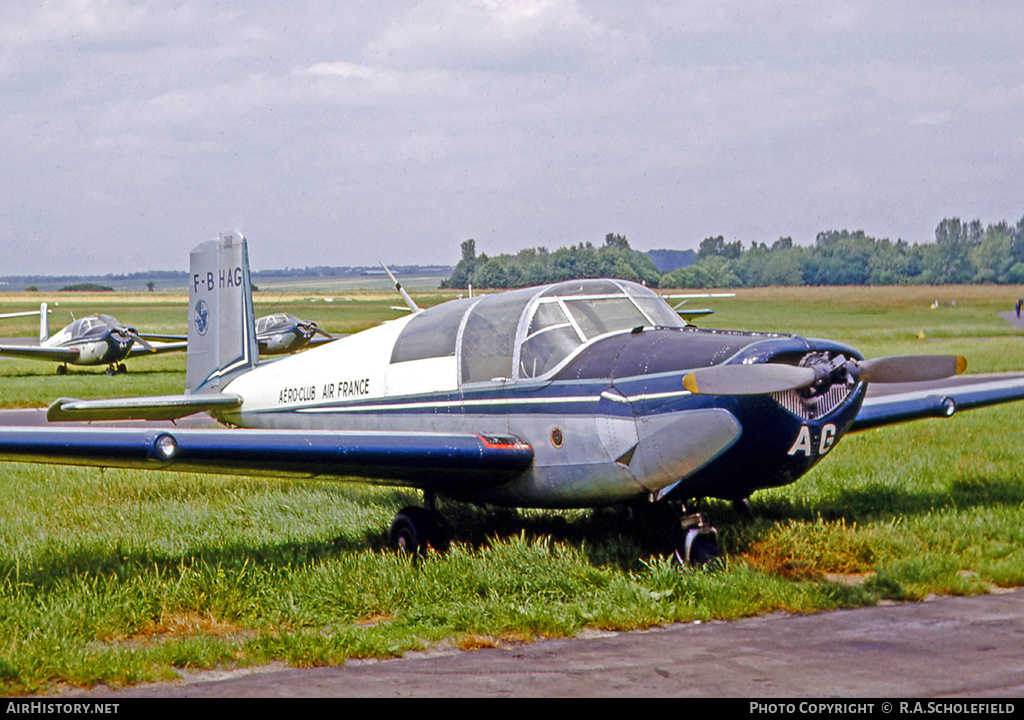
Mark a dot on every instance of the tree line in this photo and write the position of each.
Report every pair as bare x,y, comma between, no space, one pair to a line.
963,252
538,266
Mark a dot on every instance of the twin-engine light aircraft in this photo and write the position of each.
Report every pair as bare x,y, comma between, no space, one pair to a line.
583,393
94,340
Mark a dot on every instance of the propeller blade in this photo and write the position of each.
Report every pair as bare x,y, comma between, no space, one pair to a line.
748,379
910,368
115,326
139,340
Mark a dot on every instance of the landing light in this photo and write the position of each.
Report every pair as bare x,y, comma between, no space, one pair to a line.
166,446
948,406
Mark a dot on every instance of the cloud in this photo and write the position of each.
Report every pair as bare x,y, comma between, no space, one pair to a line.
491,34
536,122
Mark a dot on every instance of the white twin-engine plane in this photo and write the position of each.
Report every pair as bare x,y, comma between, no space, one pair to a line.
578,394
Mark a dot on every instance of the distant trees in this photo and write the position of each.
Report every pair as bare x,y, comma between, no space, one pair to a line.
963,252
536,266
86,287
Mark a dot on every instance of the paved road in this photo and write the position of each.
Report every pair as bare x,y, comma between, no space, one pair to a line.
1011,317
946,647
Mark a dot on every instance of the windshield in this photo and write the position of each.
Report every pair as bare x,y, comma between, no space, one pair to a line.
570,314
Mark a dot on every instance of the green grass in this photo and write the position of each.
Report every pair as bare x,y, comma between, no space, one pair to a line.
118,577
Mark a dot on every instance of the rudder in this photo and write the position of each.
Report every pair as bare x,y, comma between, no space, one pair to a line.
222,325
44,323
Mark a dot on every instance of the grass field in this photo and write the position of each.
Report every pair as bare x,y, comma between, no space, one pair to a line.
118,577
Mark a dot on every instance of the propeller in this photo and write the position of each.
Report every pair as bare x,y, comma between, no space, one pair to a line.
115,326
910,368
318,331
310,328
817,373
749,379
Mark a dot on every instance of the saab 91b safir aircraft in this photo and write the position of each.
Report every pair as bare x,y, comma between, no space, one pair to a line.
283,333
93,340
579,394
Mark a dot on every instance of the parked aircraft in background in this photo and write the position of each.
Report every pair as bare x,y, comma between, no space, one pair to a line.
276,334
94,340
582,393
283,333
689,314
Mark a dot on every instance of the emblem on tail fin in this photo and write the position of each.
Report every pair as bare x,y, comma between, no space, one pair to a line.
202,317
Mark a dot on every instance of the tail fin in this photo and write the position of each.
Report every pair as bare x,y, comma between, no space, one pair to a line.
44,323
221,325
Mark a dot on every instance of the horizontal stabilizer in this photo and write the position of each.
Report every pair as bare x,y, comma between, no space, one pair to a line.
156,407
440,461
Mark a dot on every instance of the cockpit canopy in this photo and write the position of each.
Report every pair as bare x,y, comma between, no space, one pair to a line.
85,325
528,333
273,322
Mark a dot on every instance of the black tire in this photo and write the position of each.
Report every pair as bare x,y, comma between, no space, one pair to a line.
703,551
413,530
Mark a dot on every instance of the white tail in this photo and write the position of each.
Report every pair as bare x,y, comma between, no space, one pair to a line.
221,325
44,323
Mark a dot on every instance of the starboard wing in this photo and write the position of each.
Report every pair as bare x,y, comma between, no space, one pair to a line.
447,462
37,352
158,348
916,401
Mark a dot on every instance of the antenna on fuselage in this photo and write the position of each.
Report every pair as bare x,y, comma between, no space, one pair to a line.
398,286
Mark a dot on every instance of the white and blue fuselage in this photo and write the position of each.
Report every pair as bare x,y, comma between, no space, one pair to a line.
588,373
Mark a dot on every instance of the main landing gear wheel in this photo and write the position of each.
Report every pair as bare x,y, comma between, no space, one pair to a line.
62,369
415,528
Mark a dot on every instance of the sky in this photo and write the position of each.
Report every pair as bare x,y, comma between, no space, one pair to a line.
350,133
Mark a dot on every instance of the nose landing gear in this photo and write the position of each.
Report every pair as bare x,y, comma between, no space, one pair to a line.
694,538
700,543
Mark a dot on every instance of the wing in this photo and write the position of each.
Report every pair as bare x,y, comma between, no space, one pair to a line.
447,462
38,352
163,338
158,348
903,402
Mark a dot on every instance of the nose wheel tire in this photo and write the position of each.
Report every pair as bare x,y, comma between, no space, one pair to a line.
700,548
700,541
